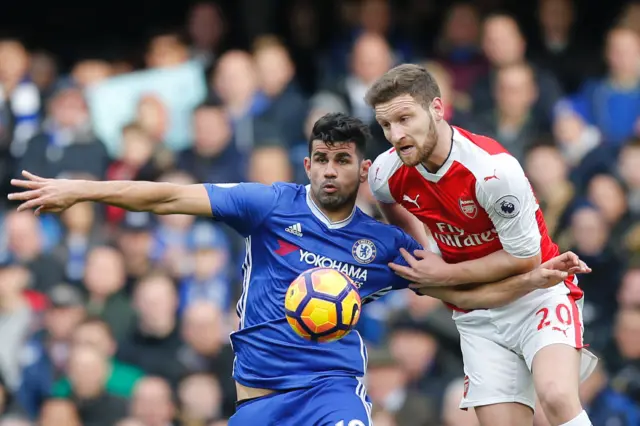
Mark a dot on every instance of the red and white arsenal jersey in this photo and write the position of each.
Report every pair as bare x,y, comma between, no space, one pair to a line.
478,202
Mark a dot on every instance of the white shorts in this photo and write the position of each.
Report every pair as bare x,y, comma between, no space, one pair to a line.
498,345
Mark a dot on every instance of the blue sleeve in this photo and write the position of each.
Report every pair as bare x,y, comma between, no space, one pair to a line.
409,244
242,206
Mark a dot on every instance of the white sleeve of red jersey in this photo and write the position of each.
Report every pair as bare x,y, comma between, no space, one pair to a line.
379,174
507,197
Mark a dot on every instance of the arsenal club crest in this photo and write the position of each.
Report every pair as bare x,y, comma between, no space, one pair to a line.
468,207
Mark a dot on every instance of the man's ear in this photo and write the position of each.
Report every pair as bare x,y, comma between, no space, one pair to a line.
365,165
437,110
307,167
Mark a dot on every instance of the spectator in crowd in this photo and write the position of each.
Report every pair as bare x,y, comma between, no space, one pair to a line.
629,293
549,177
44,73
371,57
105,280
590,235
503,44
458,49
606,193
121,377
206,29
235,83
17,319
59,412
67,143
370,17
416,349
628,168
89,72
81,233
604,404
626,366
276,75
152,115
19,98
387,386
558,48
136,159
513,121
44,357
199,399
88,375
210,278
206,351
26,245
153,403
172,234
135,241
166,49
214,156
581,147
611,103
154,343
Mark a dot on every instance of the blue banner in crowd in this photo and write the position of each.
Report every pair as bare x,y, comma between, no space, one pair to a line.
113,103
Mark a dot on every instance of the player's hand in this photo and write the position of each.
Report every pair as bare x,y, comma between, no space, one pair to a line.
45,195
426,269
545,278
567,262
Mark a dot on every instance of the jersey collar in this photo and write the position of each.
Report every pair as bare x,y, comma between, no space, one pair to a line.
323,218
454,154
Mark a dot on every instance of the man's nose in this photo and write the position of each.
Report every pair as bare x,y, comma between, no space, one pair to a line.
396,133
330,171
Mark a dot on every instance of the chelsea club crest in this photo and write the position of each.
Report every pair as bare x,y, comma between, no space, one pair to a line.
364,251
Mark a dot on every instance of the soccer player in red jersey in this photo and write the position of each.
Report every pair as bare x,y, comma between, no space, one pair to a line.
480,210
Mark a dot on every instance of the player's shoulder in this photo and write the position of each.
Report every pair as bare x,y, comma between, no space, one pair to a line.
386,164
285,194
287,190
484,157
383,168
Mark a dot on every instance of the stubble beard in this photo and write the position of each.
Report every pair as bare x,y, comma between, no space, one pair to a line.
335,201
423,152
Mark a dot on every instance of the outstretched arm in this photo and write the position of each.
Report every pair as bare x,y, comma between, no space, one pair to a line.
501,293
56,195
242,206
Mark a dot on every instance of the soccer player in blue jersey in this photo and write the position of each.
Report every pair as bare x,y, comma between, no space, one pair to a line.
281,378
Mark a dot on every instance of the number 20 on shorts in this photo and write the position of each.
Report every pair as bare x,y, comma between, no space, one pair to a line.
562,313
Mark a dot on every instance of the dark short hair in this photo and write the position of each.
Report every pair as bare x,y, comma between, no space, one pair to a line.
336,128
406,79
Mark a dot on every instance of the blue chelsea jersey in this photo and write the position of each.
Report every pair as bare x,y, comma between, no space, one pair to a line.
287,234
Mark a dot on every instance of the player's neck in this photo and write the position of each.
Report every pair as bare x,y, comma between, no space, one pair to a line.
334,215
442,149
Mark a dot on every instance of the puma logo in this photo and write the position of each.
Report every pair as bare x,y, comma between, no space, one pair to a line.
562,330
488,178
406,198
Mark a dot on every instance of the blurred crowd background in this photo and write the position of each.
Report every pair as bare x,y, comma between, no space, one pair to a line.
115,318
